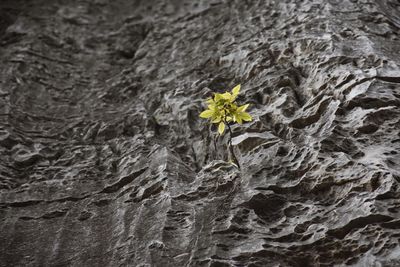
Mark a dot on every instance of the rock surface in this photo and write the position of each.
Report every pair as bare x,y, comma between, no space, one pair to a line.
104,161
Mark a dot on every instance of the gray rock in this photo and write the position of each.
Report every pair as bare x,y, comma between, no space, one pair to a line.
105,162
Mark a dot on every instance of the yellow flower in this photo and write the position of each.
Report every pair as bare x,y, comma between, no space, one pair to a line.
223,109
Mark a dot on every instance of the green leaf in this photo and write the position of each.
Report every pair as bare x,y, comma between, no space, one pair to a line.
207,114
218,97
223,109
212,107
210,101
227,96
221,128
236,90
243,108
216,119
238,119
246,116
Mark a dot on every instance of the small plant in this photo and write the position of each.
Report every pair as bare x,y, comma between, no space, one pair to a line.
224,110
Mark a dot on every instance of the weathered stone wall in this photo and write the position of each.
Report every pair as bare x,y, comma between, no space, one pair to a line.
104,161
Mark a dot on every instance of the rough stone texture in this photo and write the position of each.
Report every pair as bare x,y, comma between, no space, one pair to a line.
104,161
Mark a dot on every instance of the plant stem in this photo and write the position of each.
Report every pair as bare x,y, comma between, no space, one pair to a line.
230,144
